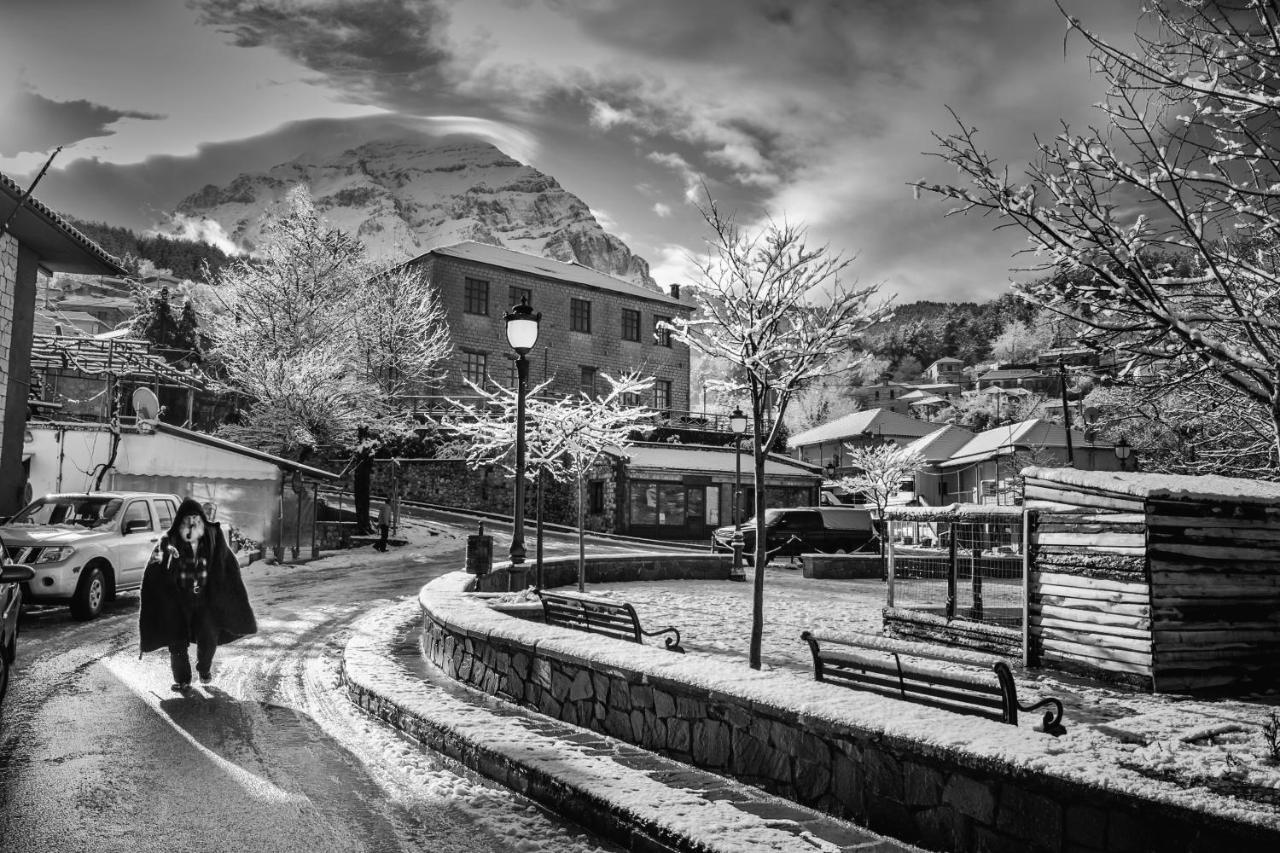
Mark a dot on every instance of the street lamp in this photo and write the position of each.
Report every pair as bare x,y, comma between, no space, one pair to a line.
1123,451
738,424
522,334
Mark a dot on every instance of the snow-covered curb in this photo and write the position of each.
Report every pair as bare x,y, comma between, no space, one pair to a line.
629,806
986,749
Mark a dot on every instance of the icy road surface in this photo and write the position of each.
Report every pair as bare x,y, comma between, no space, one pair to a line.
97,754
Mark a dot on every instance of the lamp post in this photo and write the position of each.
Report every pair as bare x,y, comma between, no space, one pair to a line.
737,423
1123,451
522,334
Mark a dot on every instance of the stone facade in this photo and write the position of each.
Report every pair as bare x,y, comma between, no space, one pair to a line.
561,353
919,790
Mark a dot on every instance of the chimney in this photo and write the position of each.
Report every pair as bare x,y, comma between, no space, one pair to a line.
675,290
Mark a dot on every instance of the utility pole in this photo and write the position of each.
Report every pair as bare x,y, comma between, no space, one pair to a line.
1066,412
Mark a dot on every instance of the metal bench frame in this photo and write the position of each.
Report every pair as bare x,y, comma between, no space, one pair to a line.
996,701
601,616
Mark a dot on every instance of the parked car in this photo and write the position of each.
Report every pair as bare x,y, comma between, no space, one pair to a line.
11,579
87,548
804,530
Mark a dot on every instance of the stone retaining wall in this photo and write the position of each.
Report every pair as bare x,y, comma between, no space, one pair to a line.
922,775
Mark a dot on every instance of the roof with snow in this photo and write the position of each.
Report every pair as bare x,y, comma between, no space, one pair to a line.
930,400
941,443
1164,486
1012,373
536,265
696,458
867,422
1028,435
57,244
946,359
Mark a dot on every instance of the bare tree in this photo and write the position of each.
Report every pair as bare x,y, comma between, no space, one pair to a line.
1160,227
565,437
775,308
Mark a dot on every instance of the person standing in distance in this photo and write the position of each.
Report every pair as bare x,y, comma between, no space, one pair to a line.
384,524
192,592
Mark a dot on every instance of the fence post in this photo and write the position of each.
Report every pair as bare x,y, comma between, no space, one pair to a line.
889,573
952,573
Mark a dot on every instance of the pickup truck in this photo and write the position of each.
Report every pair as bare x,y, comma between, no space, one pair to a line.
804,530
87,548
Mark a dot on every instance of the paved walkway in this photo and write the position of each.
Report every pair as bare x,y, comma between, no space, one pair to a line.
642,801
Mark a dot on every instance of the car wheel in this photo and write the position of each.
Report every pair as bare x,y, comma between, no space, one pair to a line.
90,594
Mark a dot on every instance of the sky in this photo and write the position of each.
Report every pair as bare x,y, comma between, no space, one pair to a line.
816,112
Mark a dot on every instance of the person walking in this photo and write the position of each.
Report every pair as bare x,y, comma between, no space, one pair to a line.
192,592
384,524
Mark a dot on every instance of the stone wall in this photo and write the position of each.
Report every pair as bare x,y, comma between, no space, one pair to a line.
902,769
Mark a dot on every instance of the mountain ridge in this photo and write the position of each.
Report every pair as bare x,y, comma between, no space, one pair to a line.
403,198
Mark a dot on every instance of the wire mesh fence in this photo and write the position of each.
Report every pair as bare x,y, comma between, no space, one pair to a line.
970,568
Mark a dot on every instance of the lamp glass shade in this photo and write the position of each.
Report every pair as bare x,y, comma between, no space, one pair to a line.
1123,449
738,422
522,327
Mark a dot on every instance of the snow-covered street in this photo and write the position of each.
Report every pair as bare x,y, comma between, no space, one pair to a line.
98,754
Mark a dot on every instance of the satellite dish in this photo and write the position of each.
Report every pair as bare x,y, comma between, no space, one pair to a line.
145,404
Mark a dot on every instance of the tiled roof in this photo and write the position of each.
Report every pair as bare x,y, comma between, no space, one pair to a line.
57,244
941,443
1033,433
867,421
546,268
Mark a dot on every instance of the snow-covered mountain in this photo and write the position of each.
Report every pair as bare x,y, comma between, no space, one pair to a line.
403,198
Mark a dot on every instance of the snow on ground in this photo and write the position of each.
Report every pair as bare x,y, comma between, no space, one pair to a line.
1201,745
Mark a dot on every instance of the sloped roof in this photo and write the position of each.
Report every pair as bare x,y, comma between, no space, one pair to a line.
929,400
55,242
232,447
1012,373
941,443
1033,433
873,421
946,359
699,459
537,265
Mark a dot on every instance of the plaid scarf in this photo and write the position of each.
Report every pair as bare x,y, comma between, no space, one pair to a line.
192,574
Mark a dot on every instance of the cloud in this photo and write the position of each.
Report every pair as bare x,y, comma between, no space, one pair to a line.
201,230
661,210
689,177
33,123
673,264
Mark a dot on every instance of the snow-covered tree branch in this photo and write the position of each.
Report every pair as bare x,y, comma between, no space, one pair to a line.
1159,230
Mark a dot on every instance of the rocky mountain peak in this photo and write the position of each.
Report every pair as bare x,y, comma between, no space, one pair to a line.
405,197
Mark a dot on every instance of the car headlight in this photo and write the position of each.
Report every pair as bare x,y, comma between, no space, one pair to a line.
55,555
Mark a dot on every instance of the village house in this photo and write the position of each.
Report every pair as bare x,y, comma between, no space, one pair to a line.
592,324
946,370
827,442
36,242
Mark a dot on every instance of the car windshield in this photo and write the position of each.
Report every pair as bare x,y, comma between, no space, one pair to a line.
71,511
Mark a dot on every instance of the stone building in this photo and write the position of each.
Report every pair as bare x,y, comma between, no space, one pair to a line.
35,241
592,323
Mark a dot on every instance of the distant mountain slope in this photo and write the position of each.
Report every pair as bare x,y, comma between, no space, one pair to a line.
403,198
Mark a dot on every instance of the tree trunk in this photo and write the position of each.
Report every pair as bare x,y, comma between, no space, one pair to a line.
360,490
761,550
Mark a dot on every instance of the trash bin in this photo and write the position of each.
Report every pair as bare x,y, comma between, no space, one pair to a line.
479,552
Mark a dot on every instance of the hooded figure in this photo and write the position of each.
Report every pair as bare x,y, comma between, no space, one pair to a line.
192,592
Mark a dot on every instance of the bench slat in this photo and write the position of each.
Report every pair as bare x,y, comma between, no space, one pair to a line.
908,688
601,616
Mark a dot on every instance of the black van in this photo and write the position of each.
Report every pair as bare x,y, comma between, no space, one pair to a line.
805,530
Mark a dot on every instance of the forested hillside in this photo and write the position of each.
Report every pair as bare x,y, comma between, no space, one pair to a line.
183,258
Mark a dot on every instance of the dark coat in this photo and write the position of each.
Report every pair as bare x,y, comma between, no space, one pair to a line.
161,618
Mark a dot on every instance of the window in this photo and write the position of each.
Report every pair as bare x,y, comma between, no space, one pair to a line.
137,512
713,506
630,324
515,295
631,399
166,511
580,315
662,394
587,385
595,494
477,296
474,366
661,336
653,504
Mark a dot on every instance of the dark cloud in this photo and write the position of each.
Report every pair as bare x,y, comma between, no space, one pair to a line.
34,123
388,52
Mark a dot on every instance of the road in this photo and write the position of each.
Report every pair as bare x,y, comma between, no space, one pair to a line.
97,754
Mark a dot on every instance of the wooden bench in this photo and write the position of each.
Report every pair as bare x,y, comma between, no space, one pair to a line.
894,668
601,616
